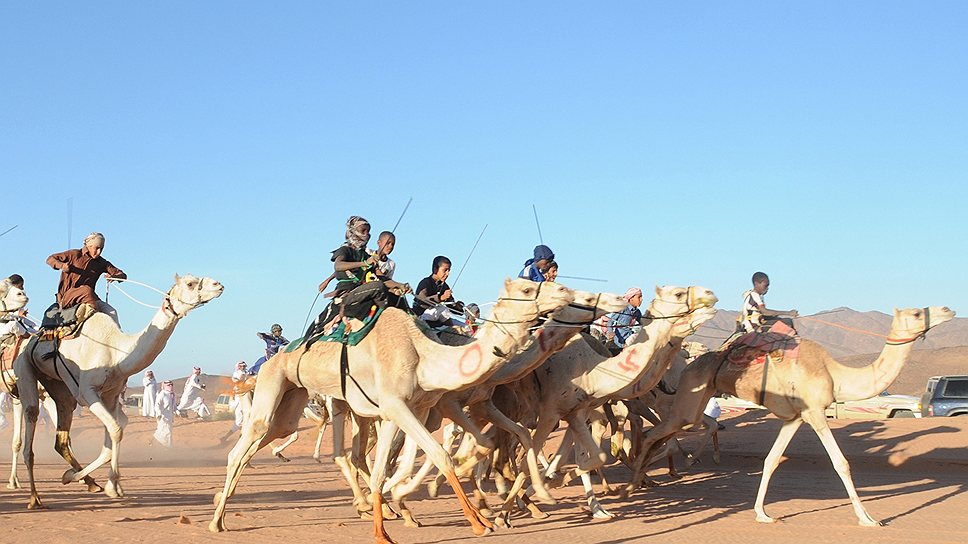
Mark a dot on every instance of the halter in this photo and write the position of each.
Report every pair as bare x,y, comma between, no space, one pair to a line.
691,305
592,309
169,307
927,326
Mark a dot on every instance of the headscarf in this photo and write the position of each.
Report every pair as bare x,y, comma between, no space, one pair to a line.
275,327
149,373
240,365
633,291
541,252
354,232
94,236
196,370
168,386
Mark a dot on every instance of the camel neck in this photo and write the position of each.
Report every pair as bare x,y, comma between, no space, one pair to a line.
142,349
452,368
547,341
614,374
858,383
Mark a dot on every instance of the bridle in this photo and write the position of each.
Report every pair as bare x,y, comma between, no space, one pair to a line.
921,334
593,309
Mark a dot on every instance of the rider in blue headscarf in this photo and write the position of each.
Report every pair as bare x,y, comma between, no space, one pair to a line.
535,268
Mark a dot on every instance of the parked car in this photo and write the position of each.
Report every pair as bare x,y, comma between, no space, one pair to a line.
945,396
223,403
132,403
883,406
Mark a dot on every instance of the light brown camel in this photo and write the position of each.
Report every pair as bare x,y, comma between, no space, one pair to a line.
549,339
795,391
11,298
577,379
397,373
93,368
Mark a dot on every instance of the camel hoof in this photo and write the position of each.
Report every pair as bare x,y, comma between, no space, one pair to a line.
536,513
68,476
601,514
389,513
365,515
544,497
408,521
486,531
502,522
283,458
432,489
316,458
870,522
93,487
675,476
14,484
486,512
35,504
217,526
763,518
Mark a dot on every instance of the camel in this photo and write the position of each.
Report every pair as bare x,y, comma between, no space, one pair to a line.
396,373
11,298
574,381
550,338
795,391
92,369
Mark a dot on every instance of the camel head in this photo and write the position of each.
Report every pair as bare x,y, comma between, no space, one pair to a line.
527,300
190,292
589,306
11,298
671,300
912,323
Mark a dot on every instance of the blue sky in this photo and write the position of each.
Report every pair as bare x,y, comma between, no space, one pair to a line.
823,143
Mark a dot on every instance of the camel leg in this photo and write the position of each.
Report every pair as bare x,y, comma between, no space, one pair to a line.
319,439
413,427
112,436
30,404
275,413
819,423
510,426
385,436
64,406
597,510
17,441
277,450
348,469
769,465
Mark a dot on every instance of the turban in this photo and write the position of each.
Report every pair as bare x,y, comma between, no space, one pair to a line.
354,232
632,292
543,252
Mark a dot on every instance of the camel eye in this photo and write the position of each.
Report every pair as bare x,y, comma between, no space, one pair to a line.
680,294
527,290
917,315
190,285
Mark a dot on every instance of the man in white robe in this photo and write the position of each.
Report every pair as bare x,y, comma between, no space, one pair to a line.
164,409
191,398
150,393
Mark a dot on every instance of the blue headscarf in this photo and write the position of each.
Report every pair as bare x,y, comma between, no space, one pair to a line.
541,252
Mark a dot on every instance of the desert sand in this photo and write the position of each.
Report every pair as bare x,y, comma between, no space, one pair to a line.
911,473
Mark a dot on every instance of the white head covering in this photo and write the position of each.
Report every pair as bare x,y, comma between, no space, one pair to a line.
94,237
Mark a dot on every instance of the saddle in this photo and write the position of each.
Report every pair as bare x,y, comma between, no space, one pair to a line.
61,323
780,343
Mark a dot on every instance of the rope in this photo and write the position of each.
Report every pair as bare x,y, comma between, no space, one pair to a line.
125,293
845,327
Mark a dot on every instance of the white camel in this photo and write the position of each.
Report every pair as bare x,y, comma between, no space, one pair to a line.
92,369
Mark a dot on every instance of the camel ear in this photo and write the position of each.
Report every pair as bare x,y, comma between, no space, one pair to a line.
897,312
177,277
658,290
507,282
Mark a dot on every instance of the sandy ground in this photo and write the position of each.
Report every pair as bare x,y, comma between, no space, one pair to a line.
911,473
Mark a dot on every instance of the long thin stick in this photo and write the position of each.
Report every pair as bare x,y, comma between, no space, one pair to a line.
469,257
8,230
582,278
70,219
535,210
405,208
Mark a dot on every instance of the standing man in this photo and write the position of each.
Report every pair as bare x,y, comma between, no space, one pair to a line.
165,413
242,398
149,394
755,314
80,270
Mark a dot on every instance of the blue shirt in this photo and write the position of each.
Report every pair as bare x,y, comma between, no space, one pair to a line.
273,343
531,272
622,324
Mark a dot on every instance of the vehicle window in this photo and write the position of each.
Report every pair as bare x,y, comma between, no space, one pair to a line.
956,388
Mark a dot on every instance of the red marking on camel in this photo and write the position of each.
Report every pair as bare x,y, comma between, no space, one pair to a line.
629,365
470,360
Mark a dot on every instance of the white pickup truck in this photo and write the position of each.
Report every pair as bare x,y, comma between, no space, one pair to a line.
882,406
